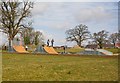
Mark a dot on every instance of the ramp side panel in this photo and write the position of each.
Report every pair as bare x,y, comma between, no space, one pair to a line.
40,49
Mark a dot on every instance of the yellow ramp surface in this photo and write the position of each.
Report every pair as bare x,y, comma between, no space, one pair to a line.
50,50
20,49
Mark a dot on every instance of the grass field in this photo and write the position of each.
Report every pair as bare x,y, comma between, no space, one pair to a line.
24,67
114,50
70,50
0,67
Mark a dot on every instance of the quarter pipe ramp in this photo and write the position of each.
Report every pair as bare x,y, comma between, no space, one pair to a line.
50,50
20,49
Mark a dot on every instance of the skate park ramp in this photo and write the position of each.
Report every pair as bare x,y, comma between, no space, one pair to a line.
95,52
90,52
50,50
40,49
20,49
105,51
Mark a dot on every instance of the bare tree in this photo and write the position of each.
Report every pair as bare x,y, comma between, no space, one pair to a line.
78,34
113,38
118,35
14,16
100,38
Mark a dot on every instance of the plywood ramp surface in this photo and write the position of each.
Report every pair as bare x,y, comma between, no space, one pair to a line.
20,49
50,50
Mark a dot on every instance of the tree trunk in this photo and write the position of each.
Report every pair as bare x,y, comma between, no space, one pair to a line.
10,48
79,44
100,45
114,45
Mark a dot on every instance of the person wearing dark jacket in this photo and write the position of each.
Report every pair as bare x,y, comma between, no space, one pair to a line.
52,41
48,42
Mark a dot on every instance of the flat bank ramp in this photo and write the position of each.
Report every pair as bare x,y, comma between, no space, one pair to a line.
20,49
105,51
50,50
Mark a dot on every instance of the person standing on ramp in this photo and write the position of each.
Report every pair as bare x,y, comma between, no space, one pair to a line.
52,41
48,42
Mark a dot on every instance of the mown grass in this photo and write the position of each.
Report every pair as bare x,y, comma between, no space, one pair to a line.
114,50
24,67
0,66
70,50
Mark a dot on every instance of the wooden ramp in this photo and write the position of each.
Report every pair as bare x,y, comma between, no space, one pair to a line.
20,49
50,50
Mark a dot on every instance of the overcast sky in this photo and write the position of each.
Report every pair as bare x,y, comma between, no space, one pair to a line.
54,18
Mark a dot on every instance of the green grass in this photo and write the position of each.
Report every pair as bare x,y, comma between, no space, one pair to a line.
70,50
24,67
3,51
114,50
0,66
